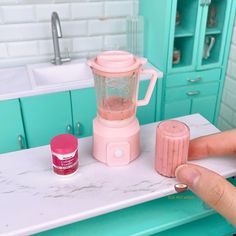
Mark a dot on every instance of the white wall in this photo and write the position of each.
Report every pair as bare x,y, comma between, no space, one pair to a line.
227,118
88,26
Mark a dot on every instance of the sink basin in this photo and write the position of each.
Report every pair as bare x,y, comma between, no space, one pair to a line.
13,80
48,75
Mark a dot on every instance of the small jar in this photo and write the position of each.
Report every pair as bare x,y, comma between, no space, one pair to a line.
64,149
176,56
172,143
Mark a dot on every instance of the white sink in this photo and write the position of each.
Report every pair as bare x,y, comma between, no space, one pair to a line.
48,75
13,80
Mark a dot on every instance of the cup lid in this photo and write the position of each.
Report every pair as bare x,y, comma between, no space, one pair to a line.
116,62
64,144
173,128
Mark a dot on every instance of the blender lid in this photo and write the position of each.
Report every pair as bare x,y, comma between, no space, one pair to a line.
116,62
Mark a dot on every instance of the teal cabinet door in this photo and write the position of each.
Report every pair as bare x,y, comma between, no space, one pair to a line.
177,108
46,116
146,114
205,106
12,135
84,111
213,33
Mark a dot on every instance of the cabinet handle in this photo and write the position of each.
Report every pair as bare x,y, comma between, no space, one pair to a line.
69,128
193,93
78,126
195,80
20,141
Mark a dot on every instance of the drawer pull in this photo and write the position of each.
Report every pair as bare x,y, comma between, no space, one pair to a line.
193,93
69,129
195,80
20,141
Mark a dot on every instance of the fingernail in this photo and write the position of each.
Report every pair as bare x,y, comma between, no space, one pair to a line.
187,174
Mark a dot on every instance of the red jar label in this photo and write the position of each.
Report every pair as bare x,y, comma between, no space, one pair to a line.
65,164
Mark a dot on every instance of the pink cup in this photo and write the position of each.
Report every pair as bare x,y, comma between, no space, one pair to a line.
64,149
172,143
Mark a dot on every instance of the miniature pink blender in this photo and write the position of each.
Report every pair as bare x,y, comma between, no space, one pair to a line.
116,130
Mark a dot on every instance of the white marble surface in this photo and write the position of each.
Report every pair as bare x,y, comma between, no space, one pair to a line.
15,83
33,198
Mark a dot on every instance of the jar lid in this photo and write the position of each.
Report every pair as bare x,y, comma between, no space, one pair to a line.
64,144
116,62
173,128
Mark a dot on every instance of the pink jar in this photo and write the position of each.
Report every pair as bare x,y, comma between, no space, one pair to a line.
172,143
64,149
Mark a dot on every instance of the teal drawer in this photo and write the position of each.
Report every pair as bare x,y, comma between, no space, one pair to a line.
190,92
192,78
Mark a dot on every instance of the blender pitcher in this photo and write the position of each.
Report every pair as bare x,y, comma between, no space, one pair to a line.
116,131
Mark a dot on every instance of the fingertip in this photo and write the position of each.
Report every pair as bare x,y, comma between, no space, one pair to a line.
178,169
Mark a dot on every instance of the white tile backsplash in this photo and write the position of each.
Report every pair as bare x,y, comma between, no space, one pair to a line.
227,117
43,12
18,14
88,26
87,44
3,50
106,26
22,49
118,8
87,10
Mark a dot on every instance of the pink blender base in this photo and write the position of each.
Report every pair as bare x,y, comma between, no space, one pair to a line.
116,146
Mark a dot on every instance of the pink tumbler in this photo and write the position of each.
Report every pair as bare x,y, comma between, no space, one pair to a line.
64,149
172,143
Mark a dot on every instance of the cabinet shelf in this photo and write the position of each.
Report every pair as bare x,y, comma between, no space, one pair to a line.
182,32
213,31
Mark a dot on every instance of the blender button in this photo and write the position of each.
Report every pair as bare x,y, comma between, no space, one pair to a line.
118,153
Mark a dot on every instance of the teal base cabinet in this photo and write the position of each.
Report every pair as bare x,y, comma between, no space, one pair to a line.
12,134
146,114
189,41
181,214
84,111
46,116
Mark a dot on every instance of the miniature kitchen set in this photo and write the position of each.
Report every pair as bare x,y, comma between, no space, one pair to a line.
85,143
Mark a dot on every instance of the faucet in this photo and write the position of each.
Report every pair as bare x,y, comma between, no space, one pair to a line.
56,34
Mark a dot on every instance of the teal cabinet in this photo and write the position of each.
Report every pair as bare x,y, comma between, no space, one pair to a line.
84,111
177,108
12,134
146,114
205,106
189,41
46,116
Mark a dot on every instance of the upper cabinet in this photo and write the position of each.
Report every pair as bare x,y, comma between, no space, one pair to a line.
198,32
185,35
189,41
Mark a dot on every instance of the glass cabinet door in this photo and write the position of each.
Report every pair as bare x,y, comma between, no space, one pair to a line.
212,33
185,18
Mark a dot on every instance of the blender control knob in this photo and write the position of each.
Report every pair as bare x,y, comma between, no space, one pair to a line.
118,152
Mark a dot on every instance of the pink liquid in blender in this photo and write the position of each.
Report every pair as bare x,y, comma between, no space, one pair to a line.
116,108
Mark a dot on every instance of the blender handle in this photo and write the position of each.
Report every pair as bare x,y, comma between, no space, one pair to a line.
151,87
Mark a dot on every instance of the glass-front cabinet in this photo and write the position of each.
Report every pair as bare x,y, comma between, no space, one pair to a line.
189,41
198,31
213,33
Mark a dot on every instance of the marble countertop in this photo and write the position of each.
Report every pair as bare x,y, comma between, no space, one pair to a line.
34,199
15,83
